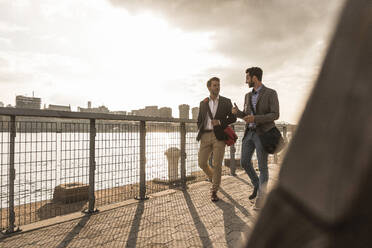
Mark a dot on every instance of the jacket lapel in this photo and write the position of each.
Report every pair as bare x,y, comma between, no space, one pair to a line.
219,106
260,95
205,111
249,103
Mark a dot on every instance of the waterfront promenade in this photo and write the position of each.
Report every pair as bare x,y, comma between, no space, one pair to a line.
172,218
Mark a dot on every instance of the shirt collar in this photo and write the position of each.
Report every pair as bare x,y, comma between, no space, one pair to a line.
258,90
217,98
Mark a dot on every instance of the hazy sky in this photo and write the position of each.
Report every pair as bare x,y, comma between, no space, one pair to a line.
127,54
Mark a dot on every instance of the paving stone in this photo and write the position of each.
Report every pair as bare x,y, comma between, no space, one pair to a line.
181,219
114,243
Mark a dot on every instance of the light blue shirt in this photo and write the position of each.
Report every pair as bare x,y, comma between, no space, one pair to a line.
255,94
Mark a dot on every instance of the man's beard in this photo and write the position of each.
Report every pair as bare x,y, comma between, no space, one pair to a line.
251,84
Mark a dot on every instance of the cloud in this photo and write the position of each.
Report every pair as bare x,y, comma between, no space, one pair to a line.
4,42
3,63
12,77
287,38
6,27
263,30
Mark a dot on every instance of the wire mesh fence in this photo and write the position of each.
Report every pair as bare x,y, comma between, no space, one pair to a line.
34,162
55,161
69,193
117,162
162,156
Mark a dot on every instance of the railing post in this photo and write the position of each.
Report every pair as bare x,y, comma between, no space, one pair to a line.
11,213
92,166
232,157
142,190
183,154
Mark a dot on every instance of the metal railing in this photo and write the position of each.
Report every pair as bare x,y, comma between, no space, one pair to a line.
55,162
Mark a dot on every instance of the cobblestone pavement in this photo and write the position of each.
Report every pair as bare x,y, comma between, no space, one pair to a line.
177,219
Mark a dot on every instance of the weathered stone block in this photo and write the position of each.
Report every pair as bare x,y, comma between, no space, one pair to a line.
71,192
227,162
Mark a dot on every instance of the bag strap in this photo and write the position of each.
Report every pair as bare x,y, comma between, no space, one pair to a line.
209,111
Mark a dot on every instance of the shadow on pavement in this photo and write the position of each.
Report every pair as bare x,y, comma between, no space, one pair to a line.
75,231
132,238
234,225
244,181
202,231
236,204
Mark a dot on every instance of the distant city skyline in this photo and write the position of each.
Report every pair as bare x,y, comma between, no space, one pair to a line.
153,111
45,105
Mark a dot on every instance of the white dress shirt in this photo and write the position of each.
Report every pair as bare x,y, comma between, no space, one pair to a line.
213,104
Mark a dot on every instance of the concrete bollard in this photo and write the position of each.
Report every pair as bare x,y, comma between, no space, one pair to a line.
173,155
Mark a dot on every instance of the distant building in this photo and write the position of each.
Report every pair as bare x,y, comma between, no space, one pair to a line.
195,112
140,112
58,107
119,112
153,111
150,111
101,109
1,104
165,112
134,112
28,102
184,111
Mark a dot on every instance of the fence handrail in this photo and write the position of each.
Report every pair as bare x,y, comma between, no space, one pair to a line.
84,115
98,116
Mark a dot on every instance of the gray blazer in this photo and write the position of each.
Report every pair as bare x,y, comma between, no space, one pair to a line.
267,109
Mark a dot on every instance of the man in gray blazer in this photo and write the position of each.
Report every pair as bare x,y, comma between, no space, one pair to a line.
265,104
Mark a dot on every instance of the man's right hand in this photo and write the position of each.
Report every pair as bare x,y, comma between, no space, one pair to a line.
235,109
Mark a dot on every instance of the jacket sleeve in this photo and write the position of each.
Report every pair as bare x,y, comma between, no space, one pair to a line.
231,118
273,113
200,115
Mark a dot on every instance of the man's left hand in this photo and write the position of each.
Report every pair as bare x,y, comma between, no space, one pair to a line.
249,119
216,122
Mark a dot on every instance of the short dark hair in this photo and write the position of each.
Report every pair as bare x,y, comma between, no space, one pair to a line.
255,71
209,82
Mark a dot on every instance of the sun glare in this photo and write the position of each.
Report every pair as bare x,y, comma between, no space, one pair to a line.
126,47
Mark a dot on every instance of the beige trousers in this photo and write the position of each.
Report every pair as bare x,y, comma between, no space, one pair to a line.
209,144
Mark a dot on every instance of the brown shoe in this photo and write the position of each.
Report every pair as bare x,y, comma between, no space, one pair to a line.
214,197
